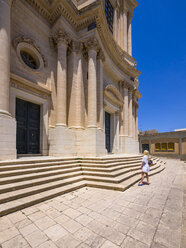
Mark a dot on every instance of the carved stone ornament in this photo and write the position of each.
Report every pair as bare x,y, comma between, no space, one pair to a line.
92,44
61,36
101,55
22,41
76,47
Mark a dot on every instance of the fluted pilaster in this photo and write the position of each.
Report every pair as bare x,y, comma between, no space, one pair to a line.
5,10
130,34
77,101
92,46
125,25
100,60
126,109
62,41
130,124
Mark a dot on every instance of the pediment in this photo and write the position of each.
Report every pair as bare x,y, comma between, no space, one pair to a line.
113,95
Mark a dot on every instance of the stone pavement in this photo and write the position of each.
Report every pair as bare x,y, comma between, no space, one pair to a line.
141,217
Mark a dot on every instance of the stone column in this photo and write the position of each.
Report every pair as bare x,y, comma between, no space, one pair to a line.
122,30
136,122
133,119
5,10
125,25
92,83
7,123
62,43
130,34
76,88
126,110
115,24
130,113
122,112
100,59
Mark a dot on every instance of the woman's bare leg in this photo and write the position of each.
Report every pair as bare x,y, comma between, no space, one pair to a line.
147,175
142,177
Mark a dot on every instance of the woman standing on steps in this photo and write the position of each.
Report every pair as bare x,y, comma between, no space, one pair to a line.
145,168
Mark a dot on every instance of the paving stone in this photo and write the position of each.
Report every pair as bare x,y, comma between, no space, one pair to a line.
72,226
157,245
94,240
52,213
5,223
47,244
83,234
84,219
113,235
62,219
72,213
30,210
96,226
167,237
44,223
83,245
127,220
133,243
108,244
28,229
36,238
36,216
171,220
84,210
16,242
144,237
121,228
68,241
16,217
55,232
23,223
8,234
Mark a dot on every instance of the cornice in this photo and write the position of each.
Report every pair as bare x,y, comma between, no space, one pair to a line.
80,19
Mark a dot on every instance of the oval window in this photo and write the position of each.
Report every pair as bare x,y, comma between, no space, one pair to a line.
29,60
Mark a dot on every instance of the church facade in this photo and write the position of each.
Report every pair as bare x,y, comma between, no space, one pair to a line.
69,83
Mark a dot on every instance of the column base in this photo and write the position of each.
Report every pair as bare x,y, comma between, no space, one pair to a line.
61,141
129,145
76,142
7,137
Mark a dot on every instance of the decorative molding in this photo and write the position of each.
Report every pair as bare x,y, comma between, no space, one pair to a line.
32,44
24,84
101,55
92,44
61,37
76,47
113,95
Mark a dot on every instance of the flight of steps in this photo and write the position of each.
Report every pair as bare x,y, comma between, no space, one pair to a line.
26,182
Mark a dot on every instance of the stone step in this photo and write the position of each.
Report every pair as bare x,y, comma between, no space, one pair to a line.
24,202
19,182
35,189
8,173
117,179
108,161
19,178
35,165
36,160
15,205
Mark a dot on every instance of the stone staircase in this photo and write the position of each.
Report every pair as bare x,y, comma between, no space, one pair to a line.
24,183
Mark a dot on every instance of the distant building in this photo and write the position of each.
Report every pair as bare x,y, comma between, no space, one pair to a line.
168,144
68,81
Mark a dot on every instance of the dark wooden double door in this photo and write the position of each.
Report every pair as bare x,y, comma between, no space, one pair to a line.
28,127
107,131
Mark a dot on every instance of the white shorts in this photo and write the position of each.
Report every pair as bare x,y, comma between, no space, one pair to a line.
146,168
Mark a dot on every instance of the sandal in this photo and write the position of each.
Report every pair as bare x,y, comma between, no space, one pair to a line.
140,184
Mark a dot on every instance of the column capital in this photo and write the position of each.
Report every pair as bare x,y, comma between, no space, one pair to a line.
76,47
101,55
61,37
126,85
92,44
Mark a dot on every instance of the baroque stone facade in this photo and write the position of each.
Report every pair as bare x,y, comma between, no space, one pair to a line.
69,83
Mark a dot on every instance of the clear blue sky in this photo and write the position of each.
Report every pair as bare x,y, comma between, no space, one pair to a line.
159,47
